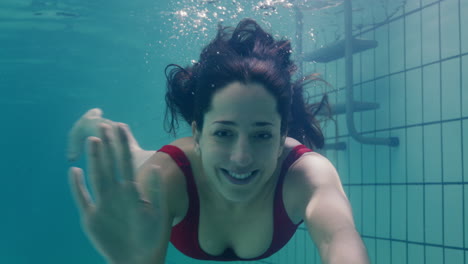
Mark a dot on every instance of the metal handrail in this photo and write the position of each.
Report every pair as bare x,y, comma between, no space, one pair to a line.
391,141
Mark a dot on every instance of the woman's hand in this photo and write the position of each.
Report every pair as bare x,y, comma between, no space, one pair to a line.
122,224
88,126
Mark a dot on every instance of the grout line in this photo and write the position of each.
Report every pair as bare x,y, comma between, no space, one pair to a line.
406,136
441,133
389,114
461,127
422,145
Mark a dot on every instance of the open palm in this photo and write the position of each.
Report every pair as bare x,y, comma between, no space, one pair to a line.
120,222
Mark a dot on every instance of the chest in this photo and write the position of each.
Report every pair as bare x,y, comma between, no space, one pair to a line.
249,234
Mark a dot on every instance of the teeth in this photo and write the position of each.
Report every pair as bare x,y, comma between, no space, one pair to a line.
240,176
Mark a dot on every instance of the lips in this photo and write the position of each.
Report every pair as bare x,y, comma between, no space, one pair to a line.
239,179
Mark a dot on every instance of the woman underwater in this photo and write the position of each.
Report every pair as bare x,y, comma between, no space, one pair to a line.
239,187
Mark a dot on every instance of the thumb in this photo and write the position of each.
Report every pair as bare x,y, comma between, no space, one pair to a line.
82,129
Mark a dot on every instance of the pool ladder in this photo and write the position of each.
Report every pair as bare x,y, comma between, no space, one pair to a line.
337,50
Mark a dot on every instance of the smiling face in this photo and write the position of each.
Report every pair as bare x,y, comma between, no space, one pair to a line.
240,141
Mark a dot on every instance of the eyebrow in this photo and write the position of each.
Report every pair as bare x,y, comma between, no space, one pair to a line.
231,123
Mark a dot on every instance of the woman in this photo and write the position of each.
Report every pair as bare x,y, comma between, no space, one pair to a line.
237,189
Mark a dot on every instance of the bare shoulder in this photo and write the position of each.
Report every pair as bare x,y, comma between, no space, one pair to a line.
314,171
311,172
170,176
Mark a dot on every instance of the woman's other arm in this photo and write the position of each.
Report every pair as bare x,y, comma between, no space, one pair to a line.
328,214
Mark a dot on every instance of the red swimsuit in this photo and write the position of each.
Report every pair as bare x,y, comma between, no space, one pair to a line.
184,235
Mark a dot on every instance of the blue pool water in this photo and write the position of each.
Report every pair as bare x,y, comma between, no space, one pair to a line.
59,58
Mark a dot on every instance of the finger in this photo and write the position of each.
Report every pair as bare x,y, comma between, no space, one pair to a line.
79,190
93,113
131,139
96,170
75,144
80,131
108,156
125,158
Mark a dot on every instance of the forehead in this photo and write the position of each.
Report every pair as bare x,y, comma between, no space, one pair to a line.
249,102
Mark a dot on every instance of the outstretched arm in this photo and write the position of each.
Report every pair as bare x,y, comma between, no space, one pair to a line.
88,125
328,215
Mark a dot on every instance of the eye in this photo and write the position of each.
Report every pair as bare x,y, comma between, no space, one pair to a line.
222,133
264,135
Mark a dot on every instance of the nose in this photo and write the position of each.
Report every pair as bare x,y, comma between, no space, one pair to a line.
242,155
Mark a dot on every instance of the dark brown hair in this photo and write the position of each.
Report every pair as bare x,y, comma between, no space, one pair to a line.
245,54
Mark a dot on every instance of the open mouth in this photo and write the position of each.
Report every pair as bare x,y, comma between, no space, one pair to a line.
239,179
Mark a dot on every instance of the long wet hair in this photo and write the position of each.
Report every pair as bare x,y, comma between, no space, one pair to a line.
245,54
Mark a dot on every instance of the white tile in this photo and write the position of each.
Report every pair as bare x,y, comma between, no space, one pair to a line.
413,40
397,100
465,150
357,70
368,117
433,214
399,253
411,5
383,252
357,115
397,46
415,253
414,97
371,248
383,211
466,212
342,164
430,34
355,198
453,215
301,250
398,218
427,2
310,250
329,125
355,164
291,250
432,151
452,151
415,153
431,93
434,255
340,74
382,160
398,157
449,28
368,167
415,214
451,89
381,52
320,68
454,255
367,60
368,219
382,97
464,25
465,84
331,75
341,119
